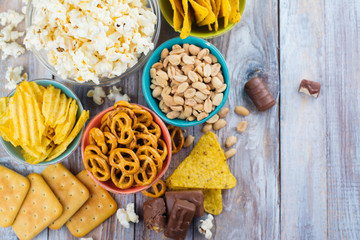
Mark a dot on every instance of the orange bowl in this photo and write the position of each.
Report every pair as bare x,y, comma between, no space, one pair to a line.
109,185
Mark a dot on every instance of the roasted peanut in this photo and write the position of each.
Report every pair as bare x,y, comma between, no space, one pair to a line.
223,112
230,141
241,110
188,141
241,127
206,128
230,153
219,124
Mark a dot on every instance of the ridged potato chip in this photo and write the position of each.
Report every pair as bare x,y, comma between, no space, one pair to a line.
40,120
204,168
63,146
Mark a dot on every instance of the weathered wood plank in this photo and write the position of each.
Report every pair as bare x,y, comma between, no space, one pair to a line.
303,121
342,93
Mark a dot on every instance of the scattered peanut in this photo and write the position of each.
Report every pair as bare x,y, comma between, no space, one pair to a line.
241,111
241,127
230,141
213,119
230,153
188,141
223,112
219,124
188,82
207,127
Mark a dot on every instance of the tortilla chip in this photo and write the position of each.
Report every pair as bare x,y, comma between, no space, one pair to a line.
234,16
179,7
186,29
225,11
213,201
200,12
177,17
205,167
210,18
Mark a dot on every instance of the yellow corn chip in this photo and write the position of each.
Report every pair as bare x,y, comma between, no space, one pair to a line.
3,104
234,16
63,130
63,146
179,7
204,168
213,201
186,28
177,18
225,11
200,12
210,18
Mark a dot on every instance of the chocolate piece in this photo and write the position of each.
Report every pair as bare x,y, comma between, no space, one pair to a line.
259,94
196,197
310,88
180,218
155,214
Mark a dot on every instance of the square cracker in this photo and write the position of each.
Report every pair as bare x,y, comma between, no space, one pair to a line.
95,211
13,189
40,208
71,193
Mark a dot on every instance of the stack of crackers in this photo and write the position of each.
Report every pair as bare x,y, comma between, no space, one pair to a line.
206,169
52,199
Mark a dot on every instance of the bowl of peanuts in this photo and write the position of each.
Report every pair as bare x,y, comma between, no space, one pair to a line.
186,82
126,148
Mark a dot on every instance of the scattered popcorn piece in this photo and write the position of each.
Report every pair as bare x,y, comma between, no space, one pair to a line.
11,17
8,35
115,95
11,49
13,77
98,95
206,225
128,215
130,210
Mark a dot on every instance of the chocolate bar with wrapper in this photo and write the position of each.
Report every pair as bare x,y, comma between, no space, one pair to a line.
155,214
194,196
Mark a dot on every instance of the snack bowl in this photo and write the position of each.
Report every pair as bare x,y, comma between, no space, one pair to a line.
201,32
15,152
146,79
109,185
43,58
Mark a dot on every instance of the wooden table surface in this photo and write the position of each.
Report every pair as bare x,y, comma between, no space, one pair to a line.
298,164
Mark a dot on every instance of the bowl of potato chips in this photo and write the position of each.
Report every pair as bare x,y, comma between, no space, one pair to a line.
41,122
202,18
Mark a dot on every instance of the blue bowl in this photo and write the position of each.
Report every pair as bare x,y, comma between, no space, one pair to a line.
15,152
155,57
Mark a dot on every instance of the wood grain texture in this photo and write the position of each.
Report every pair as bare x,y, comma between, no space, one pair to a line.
319,40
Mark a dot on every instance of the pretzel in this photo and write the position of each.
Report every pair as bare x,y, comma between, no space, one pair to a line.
124,159
147,172
96,137
121,128
122,104
154,129
143,116
151,152
177,138
93,149
98,166
120,179
110,140
162,149
157,193
146,139
141,128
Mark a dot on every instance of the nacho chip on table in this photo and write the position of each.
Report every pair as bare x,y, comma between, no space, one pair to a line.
210,18
213,201
204,168
225,9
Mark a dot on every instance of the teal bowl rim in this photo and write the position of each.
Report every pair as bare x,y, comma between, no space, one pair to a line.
197,33
154,104
15,153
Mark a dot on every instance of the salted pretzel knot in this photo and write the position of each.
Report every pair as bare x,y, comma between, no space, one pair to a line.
124,159
97,166
96,137
147,171
121,180
156,191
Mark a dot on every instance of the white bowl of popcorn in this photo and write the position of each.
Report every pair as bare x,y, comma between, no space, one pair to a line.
92,42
